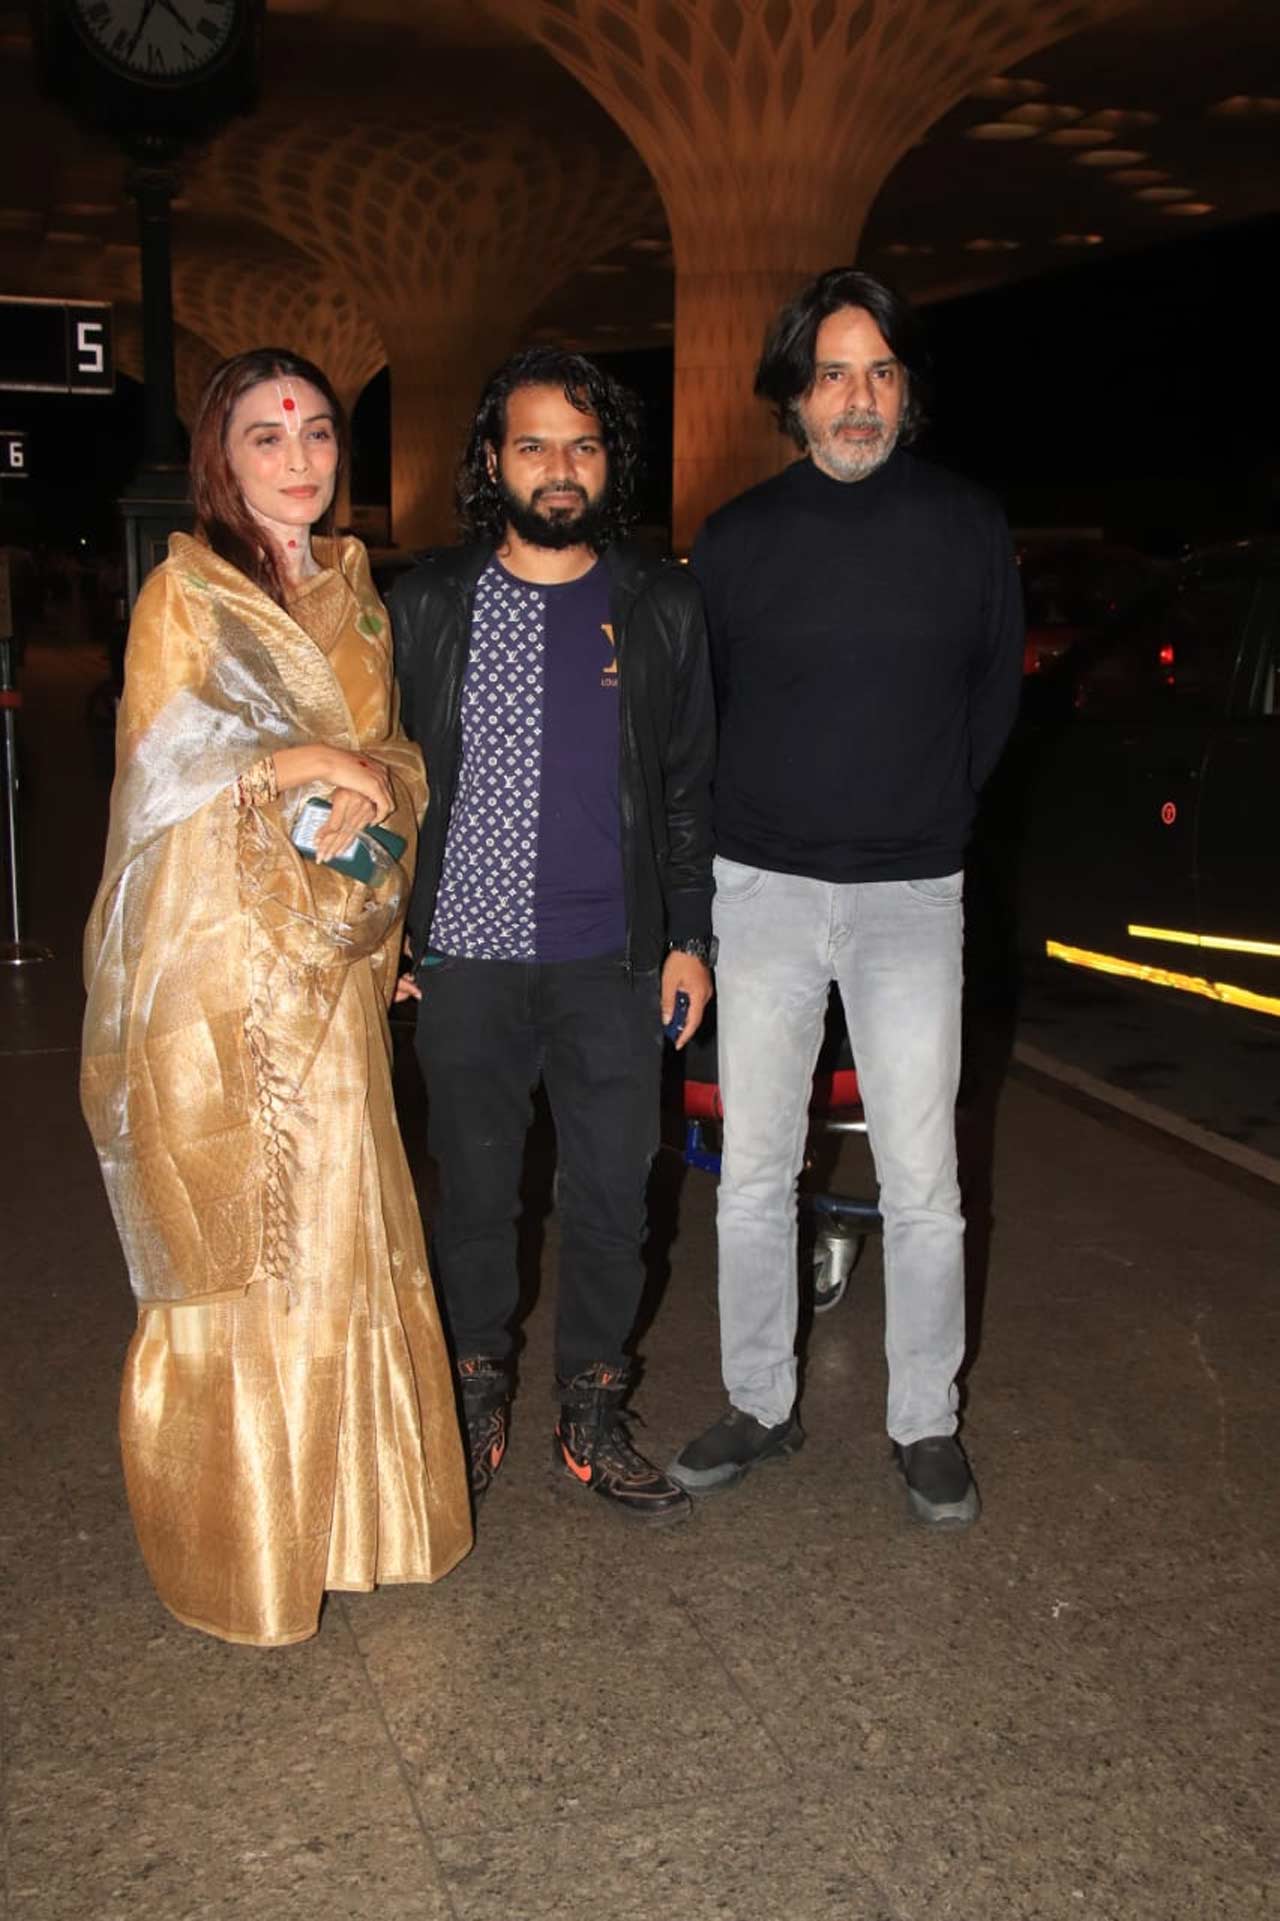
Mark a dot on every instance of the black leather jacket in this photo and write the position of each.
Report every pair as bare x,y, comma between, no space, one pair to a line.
666,735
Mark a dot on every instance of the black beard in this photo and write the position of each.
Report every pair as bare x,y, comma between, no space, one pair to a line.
562,527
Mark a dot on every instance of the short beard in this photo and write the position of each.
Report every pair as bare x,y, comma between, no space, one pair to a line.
851,461
562,527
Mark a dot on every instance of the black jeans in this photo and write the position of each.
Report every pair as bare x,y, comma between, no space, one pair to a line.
486,1031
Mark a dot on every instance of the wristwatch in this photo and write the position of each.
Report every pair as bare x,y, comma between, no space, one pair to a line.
706,951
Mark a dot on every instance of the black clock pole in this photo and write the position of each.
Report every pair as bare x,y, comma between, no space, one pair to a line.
121,67
153,183
155,502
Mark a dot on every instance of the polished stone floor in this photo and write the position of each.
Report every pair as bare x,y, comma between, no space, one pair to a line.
799,1707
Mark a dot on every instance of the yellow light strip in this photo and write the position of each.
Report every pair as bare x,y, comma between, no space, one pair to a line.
1223,991
1228,942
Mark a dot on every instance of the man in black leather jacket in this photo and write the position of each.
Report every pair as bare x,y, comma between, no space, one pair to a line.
558,683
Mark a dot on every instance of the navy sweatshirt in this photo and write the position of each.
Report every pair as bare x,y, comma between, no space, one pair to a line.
866,638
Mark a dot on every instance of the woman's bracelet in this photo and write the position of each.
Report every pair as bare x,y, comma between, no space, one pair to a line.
258,784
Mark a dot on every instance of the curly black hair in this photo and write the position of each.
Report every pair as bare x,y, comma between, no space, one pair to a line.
481,513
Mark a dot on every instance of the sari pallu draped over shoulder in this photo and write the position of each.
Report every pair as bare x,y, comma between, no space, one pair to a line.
287,1417
214,954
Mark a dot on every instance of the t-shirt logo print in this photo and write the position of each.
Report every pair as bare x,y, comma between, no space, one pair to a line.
609,674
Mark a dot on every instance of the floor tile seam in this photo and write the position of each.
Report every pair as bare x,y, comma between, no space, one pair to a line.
902,1782
542,1821
1023,1748
402,1771
762,1718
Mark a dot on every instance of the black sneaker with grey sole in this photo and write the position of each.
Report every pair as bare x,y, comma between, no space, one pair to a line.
730,1449
938,1481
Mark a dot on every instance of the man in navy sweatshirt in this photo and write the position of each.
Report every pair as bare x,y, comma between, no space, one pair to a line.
866,633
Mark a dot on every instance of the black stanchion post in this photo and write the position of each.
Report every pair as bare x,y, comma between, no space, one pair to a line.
14,952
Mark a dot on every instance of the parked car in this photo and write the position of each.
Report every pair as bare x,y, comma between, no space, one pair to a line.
1144,785
1073,586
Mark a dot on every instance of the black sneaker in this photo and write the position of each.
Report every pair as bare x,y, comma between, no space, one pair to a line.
486,1403
730,1449
938,1481
592,1450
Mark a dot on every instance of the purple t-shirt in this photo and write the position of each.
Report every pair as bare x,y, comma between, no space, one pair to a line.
532,860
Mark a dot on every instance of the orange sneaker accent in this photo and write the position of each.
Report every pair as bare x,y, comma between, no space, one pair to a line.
581,1471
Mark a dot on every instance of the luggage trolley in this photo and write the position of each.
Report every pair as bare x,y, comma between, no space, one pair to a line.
841,1222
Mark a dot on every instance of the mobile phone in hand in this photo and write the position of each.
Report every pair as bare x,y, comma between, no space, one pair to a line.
674,1028
357,858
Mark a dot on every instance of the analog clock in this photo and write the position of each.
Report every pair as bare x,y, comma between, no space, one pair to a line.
163,42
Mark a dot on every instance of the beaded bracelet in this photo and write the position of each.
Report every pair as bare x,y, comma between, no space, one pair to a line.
258,784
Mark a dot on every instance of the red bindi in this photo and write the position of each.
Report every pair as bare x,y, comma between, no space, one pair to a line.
289,406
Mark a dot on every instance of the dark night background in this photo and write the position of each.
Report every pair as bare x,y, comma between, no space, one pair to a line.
1134,395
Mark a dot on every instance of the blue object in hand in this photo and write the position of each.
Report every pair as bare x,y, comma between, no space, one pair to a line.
675,1026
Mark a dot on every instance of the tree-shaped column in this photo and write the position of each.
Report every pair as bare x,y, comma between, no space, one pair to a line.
449,235
770,126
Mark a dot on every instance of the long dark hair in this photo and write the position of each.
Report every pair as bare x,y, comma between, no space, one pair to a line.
787,360
481,513
223,520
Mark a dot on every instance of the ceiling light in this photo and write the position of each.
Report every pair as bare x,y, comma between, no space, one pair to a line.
1118,117
1163,195
1077,240
649,243
1000,130
1247,106
1141,176
984,245
1041,114
1079,137
1191,207
1109,157
900,248
1003,87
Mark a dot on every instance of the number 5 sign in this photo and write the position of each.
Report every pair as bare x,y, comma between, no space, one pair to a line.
13,455
55,346
88,348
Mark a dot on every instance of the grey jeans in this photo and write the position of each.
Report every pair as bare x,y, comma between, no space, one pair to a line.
894,947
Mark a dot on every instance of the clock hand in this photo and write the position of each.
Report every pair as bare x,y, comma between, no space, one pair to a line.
169,7
143,17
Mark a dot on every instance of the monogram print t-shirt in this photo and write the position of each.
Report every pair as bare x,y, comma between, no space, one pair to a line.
533,859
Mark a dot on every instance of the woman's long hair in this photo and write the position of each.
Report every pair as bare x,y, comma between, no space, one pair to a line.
482,514
787,361
223,518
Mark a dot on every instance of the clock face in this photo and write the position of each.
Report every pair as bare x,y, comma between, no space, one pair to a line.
164,41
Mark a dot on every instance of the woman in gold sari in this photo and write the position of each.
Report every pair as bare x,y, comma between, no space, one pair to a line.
287,1417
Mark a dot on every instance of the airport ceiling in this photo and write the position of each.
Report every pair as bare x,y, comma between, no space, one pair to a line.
449,144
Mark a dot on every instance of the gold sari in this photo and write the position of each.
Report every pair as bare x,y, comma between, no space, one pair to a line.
287,1416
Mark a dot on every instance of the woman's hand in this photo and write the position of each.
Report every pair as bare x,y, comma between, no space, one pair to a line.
348,813
362,790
